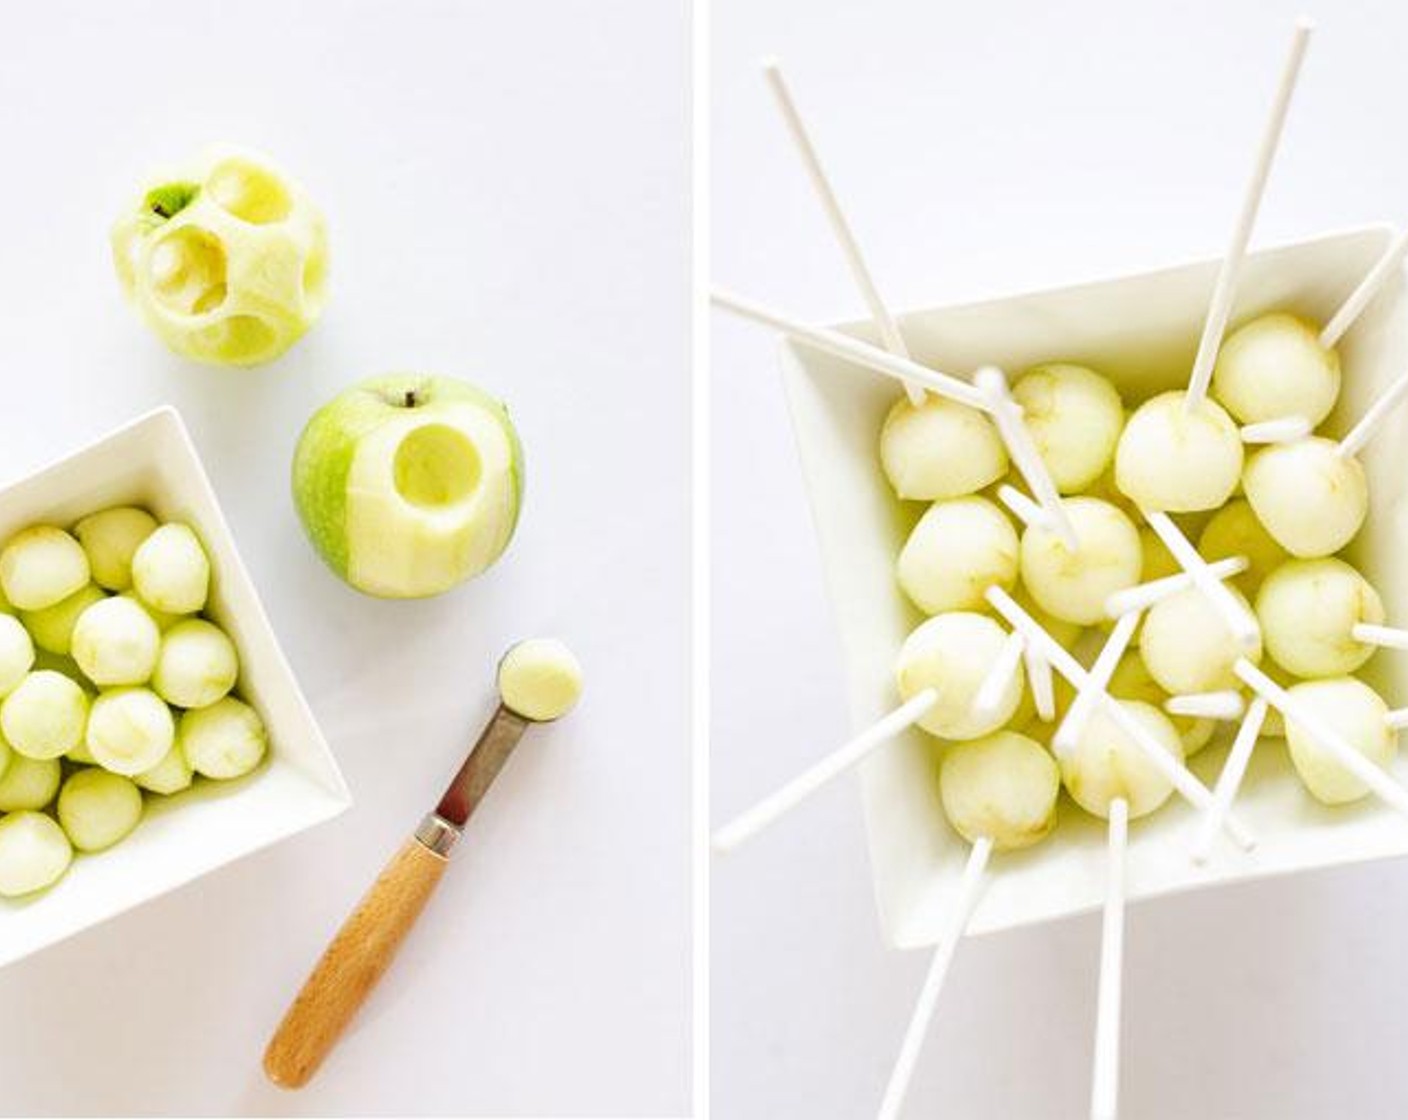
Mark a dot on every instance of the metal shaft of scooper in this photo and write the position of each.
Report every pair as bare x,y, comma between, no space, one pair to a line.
440,829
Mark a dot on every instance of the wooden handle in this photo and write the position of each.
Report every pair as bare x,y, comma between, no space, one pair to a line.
352,964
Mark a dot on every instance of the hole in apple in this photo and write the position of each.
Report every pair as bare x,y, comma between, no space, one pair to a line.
249,192
436,465
315,274
186,271
242,339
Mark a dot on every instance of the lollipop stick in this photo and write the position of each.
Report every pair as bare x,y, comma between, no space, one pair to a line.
749,824
1286,429
1223,705
1239,618
969,891
1097,682
1005,666
1230,779
1215,325
1179,776
850,248
1042,686
1389,637
1007,415
1359,435
1142,596
1104,1095
1023,508
1397,719
854,350
1368,288
1326,737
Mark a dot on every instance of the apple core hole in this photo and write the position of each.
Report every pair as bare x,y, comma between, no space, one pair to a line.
242,339
186,271
249,192
436,465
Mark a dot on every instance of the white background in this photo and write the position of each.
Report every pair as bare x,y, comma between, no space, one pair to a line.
507,189
984,148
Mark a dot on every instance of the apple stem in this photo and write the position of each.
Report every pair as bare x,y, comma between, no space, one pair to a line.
410,398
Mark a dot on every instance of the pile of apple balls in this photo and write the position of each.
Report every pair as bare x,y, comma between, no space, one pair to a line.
1284,510
112,685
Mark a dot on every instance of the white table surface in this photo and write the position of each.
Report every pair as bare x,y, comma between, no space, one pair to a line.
981,149
507,191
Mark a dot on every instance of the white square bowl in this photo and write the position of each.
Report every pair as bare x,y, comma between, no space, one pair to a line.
1141,331
151,462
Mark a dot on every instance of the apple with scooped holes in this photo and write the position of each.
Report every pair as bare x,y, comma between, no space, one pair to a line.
409,485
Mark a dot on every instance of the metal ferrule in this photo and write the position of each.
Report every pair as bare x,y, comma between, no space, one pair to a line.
437,834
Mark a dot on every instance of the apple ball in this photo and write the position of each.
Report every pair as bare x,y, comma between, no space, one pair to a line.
29,783
1187,645
129,730
196,664
407,486
170,570
34,853
1356,713
226,740
540,679
226,260
953,654
97,809
1311,499
171,775
110,538
940,449
1073,585
1308,610
1003,787
1106,762
41,566
956,551
16,655
115,642
45,715
1235,530
1074,416
1177,459
1274,367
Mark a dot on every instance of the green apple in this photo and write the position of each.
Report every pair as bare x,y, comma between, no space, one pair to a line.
225,259
408,485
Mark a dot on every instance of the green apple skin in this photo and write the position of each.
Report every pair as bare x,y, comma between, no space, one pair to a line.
408,485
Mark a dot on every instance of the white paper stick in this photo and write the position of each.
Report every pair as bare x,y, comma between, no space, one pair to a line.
1039,680
1389,637
1007,415
1023,508
1142,596
767,811
1397,719
1226,705
1104,1093
969,891
1326,737
840,228
1230,780
854,350
1239,618
1096,686
1368,288
1215,325
1376,414
1182,779
1286,429
1005,666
